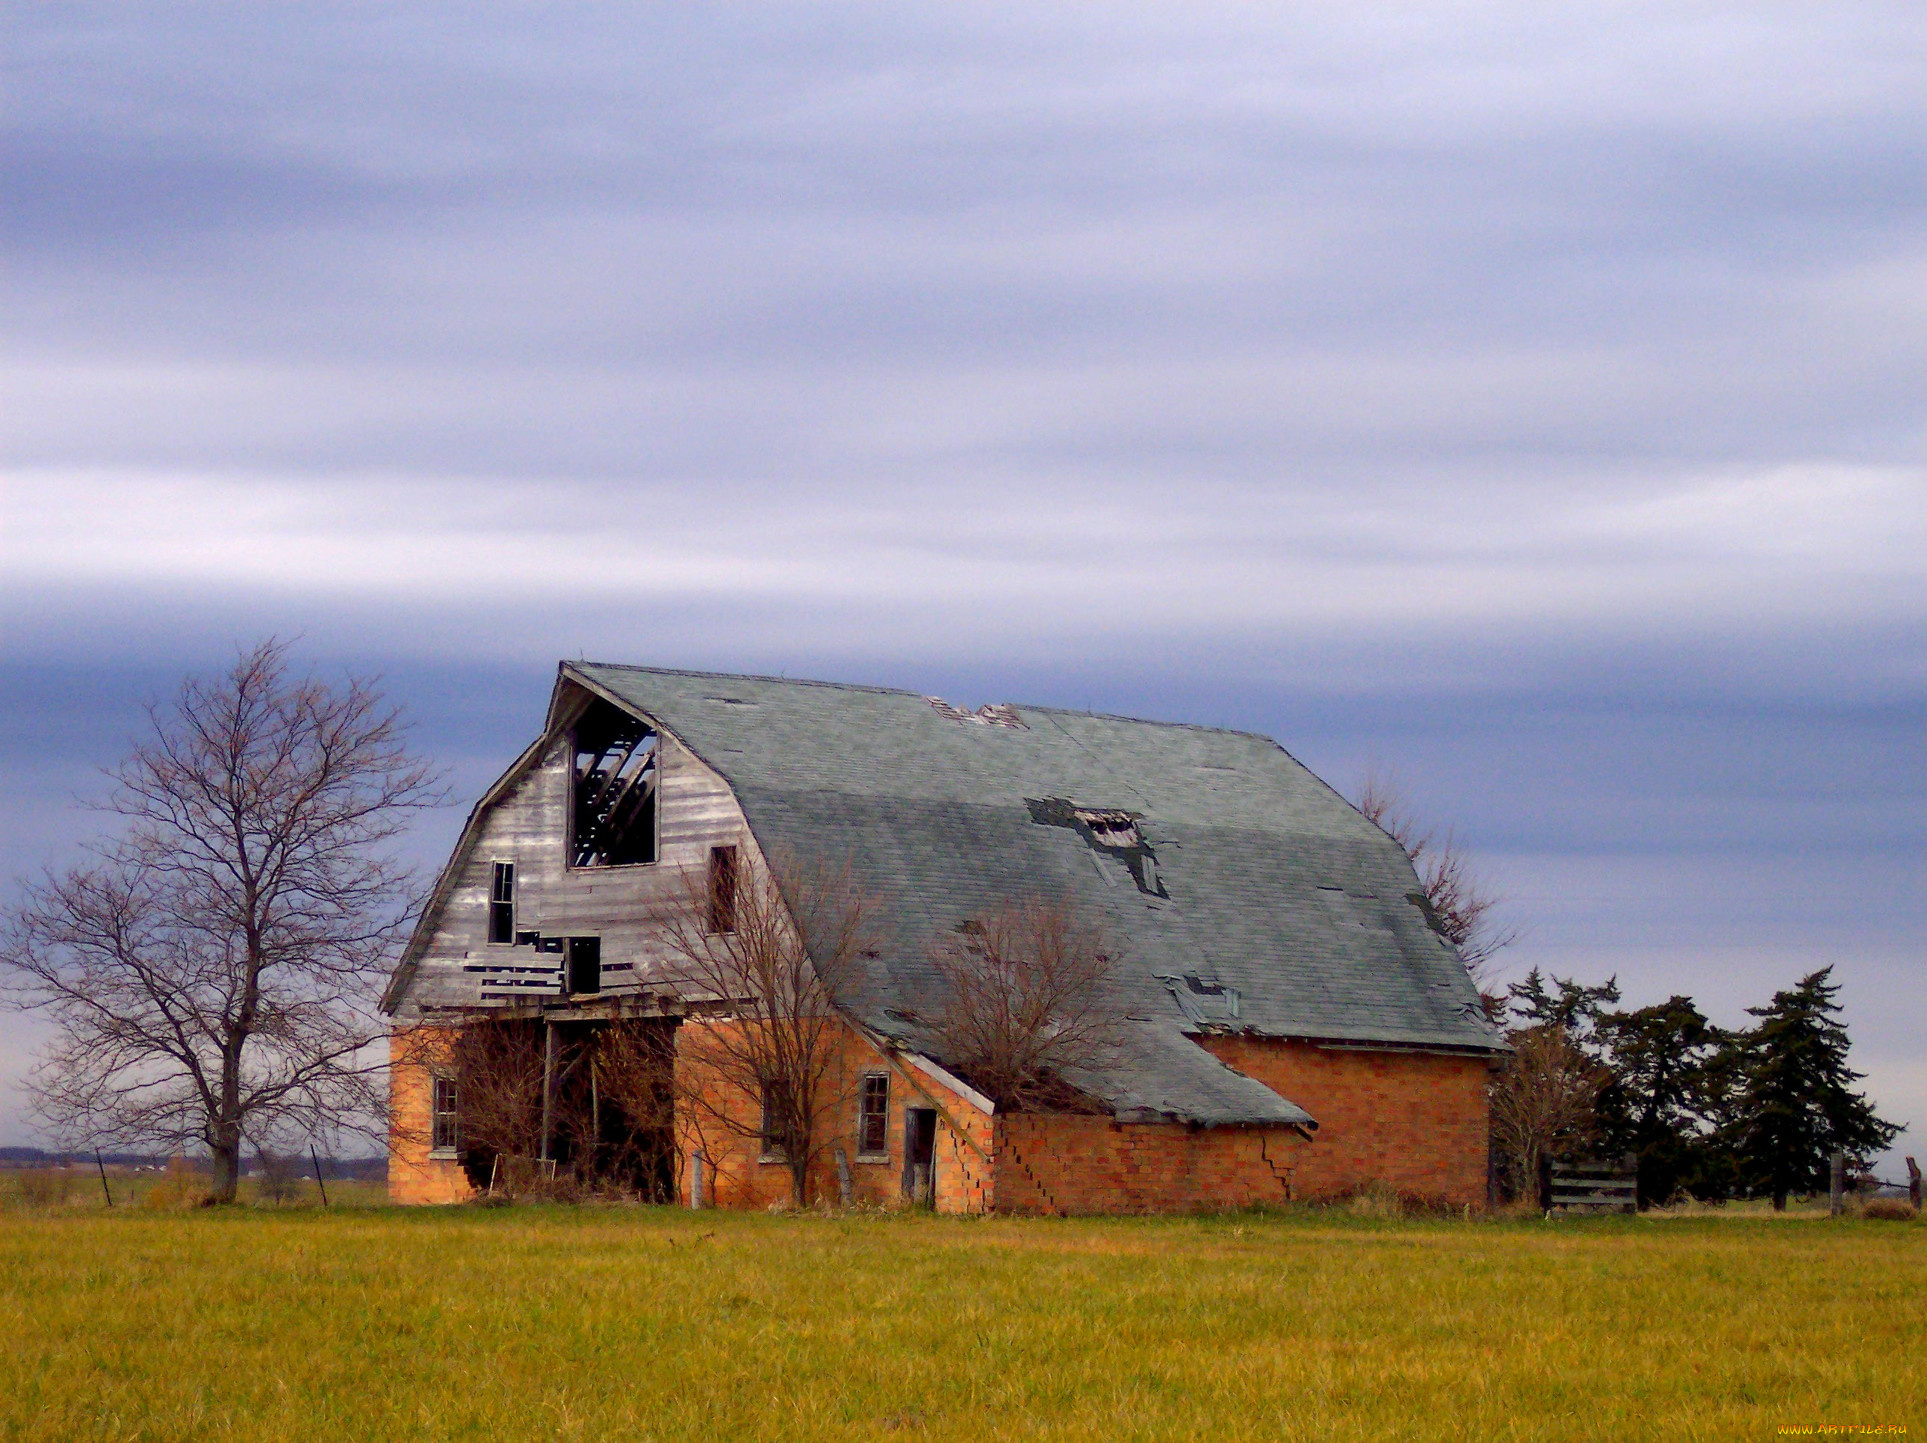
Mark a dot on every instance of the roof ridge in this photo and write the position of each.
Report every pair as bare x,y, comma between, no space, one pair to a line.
920,696
746,676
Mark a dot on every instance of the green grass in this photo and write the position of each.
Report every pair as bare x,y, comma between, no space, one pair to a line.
533,1323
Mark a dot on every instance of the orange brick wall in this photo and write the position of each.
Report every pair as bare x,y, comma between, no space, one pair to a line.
1412,1121
413,1175
1063,1164
737,1176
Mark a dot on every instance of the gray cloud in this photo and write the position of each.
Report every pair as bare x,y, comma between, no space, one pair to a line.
1528,398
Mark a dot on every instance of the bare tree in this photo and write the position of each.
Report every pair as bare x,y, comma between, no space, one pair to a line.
498,1067
761,1059
1543,1103
214,970
1026,1003
1456,901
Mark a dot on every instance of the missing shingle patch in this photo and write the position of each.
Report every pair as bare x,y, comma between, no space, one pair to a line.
991,714
1110,832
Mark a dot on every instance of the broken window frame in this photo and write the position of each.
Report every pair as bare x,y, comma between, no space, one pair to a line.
444,1116
873,1117
624,820
501,905
720,888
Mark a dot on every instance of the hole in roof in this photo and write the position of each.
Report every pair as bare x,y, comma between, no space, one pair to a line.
729,701
990,714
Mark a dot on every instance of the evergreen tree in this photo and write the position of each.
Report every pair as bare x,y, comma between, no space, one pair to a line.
1543,1103
1794,1102
1542,1001
1664,1104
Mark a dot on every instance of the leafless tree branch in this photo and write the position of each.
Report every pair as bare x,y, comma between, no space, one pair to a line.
762,1057
1457,902
1025,1003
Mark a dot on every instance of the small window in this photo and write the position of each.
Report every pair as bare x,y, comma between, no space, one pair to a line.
501,904
773,1125
873,1116
445,1122
722,889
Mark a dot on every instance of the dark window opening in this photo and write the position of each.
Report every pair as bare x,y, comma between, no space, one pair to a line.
873,1115
501,904
583,964
445,1124
775,1122
722,889
616,774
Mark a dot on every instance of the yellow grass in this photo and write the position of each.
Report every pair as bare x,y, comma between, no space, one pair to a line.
372,1323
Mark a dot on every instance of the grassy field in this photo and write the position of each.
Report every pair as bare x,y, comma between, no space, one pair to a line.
372,1323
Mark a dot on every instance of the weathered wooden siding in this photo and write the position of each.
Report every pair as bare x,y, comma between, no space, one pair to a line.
528,826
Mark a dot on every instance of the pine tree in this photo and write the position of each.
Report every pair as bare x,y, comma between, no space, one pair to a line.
1564,1003
1794,1103
1663,1104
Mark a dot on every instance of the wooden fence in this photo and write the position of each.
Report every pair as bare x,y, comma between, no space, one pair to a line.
1589,1187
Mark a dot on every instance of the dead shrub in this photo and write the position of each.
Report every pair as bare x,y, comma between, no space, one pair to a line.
180,1187
279,1179
1027,1003
1889,1210
46,1187
1382,1200
520,1179
1376,1201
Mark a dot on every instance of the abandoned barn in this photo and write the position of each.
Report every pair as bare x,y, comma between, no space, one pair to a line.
1281,1020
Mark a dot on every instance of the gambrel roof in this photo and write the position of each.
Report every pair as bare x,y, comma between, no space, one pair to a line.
1245,894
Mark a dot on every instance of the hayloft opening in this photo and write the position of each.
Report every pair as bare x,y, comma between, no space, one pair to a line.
617,768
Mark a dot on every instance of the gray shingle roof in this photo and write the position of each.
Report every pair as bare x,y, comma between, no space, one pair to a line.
1285,912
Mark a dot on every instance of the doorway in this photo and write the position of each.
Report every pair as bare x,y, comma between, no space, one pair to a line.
920,1156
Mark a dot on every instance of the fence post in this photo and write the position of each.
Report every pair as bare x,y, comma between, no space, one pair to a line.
1836,1183
1545,1182
1630,1164
845,1184
695,1180
1913,1183
548,1082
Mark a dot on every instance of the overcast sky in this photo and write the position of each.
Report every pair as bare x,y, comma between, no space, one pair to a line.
1530,401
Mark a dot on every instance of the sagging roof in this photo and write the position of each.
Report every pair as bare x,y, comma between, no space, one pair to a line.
1246,894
